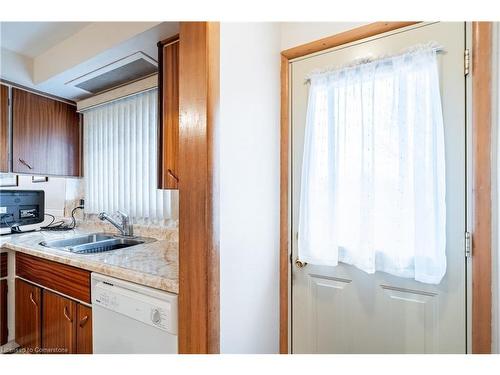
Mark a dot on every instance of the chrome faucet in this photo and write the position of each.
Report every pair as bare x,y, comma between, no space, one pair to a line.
125,227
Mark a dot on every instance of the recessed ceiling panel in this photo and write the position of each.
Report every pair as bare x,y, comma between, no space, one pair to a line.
131,71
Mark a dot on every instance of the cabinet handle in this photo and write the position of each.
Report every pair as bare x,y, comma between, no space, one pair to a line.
84,321
24,163
173,175
32,300
66,314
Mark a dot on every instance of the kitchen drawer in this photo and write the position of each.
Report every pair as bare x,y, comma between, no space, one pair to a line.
71,281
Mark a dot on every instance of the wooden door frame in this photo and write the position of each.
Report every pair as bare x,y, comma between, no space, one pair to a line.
198,188
481,187
481,164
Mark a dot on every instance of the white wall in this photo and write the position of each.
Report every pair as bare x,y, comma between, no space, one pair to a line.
249,187
15,67
55,192
297,33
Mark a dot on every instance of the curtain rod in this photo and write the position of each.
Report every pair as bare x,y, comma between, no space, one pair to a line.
436,47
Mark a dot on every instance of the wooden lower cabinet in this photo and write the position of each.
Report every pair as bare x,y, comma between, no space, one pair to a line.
50,323
84,330
28,316
4,332
58,324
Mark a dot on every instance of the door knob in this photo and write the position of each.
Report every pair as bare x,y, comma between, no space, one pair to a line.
300,264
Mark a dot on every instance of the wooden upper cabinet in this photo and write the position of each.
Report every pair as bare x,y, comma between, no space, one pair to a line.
28,316
58,327
45,135
168,93
4,128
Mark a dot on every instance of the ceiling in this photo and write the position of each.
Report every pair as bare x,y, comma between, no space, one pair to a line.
24,43
33,38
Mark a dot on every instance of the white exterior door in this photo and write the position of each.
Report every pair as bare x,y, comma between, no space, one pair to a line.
345,310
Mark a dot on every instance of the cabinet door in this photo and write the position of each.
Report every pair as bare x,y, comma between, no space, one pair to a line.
168,92
58,325
4,126
4,333
84,330
28,316
45,135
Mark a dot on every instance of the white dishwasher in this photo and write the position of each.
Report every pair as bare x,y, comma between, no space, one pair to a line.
131,318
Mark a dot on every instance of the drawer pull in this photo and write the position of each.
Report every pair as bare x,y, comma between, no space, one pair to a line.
173,175
66,314
84,321
24,163
32,300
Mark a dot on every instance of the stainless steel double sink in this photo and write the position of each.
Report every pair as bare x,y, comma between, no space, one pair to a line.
95,243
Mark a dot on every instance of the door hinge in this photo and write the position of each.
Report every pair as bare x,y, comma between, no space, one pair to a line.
468,245
466,62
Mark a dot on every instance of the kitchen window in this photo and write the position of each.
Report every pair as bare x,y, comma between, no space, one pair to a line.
120,160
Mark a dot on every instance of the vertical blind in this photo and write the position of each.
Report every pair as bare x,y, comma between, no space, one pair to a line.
373,173
120,154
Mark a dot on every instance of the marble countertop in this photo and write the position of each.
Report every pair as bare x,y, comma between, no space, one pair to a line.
153,264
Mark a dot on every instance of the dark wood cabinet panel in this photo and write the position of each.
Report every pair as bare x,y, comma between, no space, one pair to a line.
84,330
4,332
3,264
168,93
4,128
71,281
45,135
58,324
28,316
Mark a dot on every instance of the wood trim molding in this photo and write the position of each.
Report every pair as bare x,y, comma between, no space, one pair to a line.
481,200
284,209
349,36
199,188
481,87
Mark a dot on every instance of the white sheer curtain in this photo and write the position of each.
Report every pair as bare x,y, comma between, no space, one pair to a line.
373,174
120,154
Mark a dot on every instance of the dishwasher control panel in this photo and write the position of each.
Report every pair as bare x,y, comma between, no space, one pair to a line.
149,306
